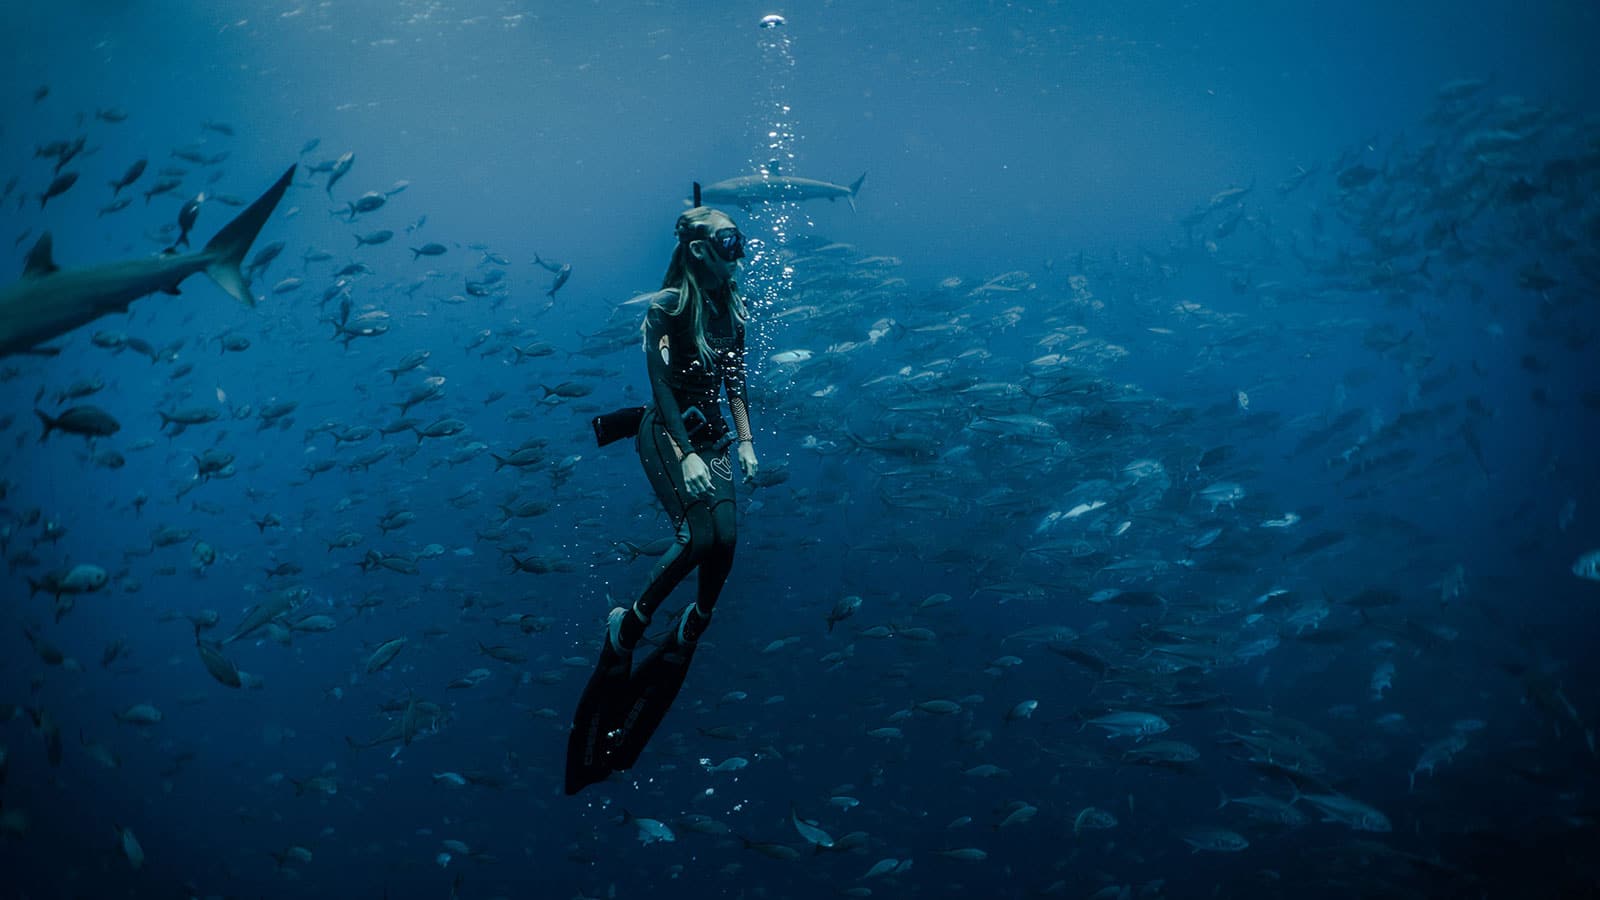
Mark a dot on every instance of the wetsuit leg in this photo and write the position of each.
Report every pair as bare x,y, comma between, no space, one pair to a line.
691,515
705,539
612,700
716,561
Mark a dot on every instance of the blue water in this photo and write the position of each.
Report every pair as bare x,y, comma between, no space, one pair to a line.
1068,142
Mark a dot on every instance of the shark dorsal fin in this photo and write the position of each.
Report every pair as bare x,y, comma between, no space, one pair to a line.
39,263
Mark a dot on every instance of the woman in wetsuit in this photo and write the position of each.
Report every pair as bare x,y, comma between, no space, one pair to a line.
694,352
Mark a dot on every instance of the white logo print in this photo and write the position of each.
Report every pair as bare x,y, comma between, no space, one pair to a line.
723,469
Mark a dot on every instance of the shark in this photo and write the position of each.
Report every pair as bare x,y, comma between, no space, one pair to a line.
769,185
48,301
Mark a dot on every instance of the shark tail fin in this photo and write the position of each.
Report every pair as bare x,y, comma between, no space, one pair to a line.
231,244
855,187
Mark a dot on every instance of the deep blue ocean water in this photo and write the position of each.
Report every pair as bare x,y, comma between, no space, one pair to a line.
1044,178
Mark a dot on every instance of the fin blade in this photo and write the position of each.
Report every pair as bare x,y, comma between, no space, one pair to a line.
599,708
654,686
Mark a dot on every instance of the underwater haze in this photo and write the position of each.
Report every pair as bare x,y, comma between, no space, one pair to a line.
1177,428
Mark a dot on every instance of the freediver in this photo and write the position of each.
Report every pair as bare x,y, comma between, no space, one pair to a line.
694,343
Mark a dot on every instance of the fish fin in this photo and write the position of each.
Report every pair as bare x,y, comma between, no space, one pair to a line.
39,262
855,188
231,243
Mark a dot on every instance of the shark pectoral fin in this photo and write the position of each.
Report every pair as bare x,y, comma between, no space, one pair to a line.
39,263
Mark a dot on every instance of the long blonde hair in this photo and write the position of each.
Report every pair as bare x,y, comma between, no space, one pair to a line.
680,277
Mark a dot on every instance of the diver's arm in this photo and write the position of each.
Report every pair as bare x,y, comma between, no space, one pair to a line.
738,398
738,402
657,352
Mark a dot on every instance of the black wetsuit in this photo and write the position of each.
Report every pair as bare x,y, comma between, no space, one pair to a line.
622,705
687,415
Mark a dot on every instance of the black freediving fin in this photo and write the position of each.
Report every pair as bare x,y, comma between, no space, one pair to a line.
655,684
600,708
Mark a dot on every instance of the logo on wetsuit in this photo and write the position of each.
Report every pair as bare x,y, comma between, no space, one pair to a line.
722,467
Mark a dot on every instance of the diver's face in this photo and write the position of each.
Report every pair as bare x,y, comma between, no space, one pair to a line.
719,254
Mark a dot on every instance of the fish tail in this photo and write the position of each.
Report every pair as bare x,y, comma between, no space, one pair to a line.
48,423
855,187
231,244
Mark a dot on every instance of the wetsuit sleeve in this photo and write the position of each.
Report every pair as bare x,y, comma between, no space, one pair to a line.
658,352
738,399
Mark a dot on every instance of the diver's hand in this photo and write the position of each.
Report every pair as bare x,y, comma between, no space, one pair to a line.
747,460
696,475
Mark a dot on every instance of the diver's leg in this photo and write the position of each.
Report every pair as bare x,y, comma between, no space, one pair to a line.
674,565
655,681
716,561
663,466
660,676
610,692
